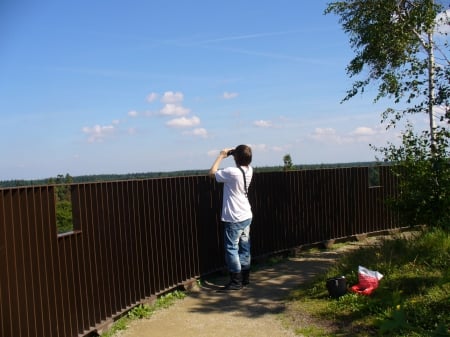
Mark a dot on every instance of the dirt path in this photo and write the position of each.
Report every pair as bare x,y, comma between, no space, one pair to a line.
255,311
252,312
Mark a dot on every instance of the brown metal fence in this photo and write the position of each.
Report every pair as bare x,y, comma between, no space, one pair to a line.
136,239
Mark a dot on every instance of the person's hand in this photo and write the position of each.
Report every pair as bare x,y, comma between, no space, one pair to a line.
224,152
222,155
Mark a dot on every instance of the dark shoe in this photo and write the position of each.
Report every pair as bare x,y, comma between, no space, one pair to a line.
235,282
245,277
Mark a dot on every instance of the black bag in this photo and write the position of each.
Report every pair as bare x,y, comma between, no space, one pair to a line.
337,286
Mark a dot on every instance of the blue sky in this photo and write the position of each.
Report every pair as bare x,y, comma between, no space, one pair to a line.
99,87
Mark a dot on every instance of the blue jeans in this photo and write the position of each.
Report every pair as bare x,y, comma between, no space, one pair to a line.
237,245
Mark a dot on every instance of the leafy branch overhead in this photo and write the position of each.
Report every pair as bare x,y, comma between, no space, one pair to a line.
396,45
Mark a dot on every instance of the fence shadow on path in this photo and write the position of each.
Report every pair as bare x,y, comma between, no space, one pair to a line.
268,289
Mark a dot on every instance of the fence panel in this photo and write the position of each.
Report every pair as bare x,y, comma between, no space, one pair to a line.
136,239
30,301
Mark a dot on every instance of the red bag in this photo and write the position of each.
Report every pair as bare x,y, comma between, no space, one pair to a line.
368,281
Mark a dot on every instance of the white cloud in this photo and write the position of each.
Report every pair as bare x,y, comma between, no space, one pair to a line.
363,131
213,153
439,113
132,113
259,147
443,22
151,97
172,97
361,134
324,132
174,110
230,95
262,123
283,148
198,132
329,135
270,148
98,133
183,122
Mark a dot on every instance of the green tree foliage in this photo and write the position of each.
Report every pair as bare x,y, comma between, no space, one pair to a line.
395,46
424,178
287,160
63,197
64,216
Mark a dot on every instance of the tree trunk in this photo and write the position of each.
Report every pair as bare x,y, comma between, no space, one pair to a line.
431,89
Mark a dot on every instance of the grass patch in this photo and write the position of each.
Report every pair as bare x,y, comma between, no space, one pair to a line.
311,331
413,298
338,245
144,311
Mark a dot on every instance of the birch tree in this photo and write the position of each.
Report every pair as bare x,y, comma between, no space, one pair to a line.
395,47
402,46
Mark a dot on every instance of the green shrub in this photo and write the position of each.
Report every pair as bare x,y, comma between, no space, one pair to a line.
423,172
64,216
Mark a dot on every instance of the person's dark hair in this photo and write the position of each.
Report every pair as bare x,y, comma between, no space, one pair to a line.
243,155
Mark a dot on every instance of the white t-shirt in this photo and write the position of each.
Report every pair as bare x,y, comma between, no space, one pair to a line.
235,206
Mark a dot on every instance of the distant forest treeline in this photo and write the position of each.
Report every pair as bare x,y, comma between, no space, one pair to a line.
68,179
64,220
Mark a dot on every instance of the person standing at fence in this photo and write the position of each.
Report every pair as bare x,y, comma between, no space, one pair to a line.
236,213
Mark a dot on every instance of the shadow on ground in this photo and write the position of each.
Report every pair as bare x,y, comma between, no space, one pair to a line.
251,312
268,289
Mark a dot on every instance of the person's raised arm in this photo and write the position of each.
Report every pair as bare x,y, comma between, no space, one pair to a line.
215,166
